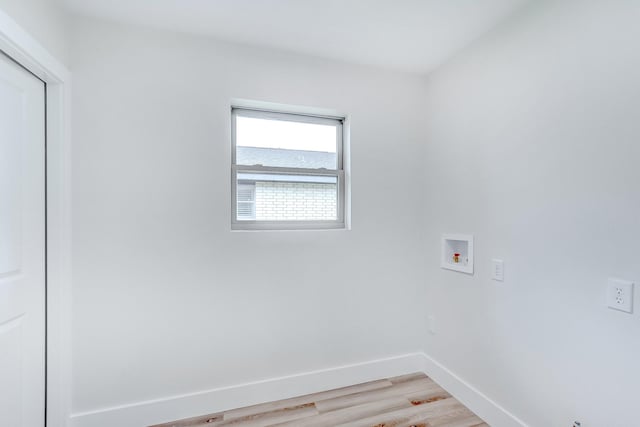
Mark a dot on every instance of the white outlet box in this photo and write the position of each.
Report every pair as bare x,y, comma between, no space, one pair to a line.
457,252
620,295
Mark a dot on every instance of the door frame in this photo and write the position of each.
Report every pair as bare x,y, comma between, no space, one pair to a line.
25,50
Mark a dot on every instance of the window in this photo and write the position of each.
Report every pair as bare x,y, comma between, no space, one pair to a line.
287,171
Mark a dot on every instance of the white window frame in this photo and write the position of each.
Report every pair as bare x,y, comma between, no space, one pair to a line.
338,173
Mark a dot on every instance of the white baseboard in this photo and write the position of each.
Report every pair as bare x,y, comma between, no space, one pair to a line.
146,413
150,412
491,412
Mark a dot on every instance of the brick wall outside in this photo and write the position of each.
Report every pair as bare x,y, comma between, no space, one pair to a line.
295,201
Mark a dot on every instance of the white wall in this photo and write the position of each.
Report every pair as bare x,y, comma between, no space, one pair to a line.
533,145
528,139
42,19
167,299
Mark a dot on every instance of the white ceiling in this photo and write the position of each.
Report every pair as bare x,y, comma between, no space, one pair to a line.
410,35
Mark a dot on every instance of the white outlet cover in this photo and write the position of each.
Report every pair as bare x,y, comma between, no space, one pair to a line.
497,270
432,324
620,295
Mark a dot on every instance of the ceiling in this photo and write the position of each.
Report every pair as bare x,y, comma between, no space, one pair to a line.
408,35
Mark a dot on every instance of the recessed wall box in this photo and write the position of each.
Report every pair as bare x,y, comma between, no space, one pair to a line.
457,252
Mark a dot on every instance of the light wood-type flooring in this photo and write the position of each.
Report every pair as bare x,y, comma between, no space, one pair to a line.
406,401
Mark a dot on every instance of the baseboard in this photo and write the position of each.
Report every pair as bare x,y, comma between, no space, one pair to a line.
487,409
220,399
209,401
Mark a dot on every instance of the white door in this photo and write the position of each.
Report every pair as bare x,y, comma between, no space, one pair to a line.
22,247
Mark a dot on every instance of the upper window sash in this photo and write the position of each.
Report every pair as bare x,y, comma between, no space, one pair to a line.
286,117
337,122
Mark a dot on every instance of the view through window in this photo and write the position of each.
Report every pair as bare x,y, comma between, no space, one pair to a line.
287,170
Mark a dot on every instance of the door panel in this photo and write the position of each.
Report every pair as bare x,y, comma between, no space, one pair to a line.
22,247
10,372
10,179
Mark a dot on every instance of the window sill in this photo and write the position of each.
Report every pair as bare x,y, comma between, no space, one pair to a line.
288,226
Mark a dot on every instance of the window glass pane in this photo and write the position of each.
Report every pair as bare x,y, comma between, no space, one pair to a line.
285,197
281,143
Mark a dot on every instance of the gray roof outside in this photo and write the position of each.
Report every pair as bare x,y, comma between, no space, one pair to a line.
285,158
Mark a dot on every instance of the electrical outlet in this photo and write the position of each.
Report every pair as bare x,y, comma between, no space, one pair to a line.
432,324
620,295
497,270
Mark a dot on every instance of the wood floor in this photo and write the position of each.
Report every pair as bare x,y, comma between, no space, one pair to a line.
408,401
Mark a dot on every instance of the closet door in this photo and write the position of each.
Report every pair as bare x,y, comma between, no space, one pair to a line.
22,247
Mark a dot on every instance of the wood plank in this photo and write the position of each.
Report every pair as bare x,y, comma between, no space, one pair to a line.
351,413
396,390
290,414
459,420
466,422
427,395
408,377
413,415
255,420
309,398
454,413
